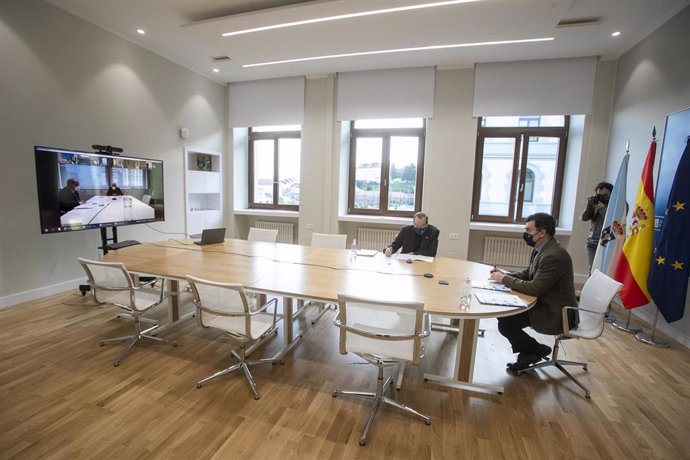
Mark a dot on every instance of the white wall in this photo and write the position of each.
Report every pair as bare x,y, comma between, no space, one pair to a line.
652,82
67,83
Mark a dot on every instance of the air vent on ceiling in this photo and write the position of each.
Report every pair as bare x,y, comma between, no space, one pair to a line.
221,59
577,22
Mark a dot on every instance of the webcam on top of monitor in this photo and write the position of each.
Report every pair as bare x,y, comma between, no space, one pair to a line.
107,149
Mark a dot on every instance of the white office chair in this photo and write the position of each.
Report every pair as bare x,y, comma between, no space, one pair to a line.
597,294
224,306
110,282
325,240
146,199
383,334
262,234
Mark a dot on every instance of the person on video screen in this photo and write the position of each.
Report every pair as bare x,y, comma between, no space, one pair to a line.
114,190
68,196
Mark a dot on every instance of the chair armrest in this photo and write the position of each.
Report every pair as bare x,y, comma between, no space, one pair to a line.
148,284
263,308
211,311
374,335
564,313
238,313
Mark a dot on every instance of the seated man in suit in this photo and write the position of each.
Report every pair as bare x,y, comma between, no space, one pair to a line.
419,238
550,279
68,196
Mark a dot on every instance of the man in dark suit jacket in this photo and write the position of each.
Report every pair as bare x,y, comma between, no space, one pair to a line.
419,238
550,279
68,196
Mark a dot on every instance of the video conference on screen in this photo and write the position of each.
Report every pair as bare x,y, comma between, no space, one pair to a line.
81,190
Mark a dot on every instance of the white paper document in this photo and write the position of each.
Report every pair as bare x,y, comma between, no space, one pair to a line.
499,298
488,285
413,257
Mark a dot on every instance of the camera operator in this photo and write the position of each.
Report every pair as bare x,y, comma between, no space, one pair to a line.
595,211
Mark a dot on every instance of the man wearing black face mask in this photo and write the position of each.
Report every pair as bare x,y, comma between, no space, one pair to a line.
550,279
595,211
419,238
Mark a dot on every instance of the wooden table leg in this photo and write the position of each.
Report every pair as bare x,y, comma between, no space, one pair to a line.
174,300
288,331
464,362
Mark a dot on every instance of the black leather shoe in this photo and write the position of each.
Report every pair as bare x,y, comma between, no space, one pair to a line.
544,350
525,360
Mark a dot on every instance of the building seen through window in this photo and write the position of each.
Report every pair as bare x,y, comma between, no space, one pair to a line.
519,167
274,167
386,162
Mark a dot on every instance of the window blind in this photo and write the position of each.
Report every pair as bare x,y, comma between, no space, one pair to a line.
543,87
266,102
392,93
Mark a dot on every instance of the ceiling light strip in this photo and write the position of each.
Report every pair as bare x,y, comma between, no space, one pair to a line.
400,50
347,16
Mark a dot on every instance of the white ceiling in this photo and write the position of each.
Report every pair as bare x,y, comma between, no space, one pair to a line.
188,32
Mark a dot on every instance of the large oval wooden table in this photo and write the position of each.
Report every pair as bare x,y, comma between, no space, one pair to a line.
303,272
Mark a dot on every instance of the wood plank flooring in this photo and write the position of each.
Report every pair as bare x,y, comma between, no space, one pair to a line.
61,397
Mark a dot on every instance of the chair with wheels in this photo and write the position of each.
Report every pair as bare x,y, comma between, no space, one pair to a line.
224,306
383,334
597,293
262,234
111,282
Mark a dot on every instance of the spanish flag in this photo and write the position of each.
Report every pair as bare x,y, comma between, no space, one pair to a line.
634,263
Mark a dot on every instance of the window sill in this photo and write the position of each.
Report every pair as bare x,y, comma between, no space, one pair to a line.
379,220
511,228
266,212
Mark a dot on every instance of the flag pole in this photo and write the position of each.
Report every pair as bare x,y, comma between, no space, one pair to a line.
608,317
649,339
625,325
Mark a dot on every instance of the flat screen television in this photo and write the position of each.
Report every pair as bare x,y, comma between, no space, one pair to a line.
84,190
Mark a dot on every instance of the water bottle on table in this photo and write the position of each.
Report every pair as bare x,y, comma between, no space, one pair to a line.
353,250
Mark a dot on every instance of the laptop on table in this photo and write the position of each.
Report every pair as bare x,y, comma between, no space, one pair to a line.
212,236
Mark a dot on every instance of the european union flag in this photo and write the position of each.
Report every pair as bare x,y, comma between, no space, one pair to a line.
668,277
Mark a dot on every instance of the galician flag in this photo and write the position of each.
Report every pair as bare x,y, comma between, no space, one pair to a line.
668,277
613,230
633,265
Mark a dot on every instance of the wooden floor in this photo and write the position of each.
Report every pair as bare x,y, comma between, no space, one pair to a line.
60,397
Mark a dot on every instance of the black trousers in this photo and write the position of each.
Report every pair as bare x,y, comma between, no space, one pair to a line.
511,327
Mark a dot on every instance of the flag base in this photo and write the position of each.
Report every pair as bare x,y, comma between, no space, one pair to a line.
649,339
624,325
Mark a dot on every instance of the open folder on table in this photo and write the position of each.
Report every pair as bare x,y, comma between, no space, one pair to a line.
499,298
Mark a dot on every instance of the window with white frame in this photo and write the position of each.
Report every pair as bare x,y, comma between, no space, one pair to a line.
274,167
519,167
386,166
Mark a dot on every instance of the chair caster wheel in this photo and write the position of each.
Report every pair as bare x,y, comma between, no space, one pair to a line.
198,385
256,398
428,422
362,443
116,364
334,394
174,344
